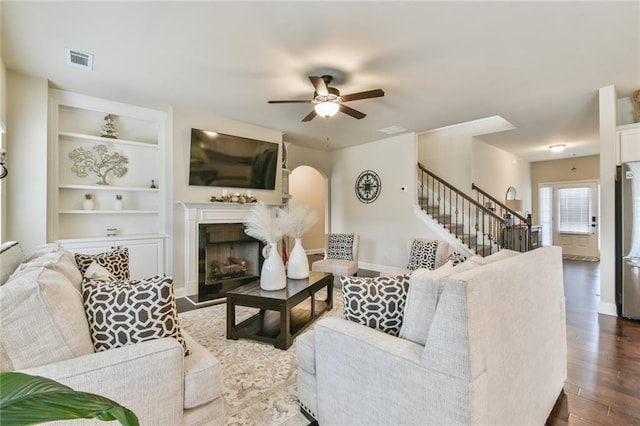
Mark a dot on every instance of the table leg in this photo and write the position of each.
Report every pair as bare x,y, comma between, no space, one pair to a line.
284,339
330,294
231,318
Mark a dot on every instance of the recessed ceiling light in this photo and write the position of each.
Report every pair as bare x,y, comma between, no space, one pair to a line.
392,130
557,148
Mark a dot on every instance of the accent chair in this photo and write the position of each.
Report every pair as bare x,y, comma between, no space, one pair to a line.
340,255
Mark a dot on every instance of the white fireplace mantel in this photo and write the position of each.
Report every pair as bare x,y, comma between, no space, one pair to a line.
196,213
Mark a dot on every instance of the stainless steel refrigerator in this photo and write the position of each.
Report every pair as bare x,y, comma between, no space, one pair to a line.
628,240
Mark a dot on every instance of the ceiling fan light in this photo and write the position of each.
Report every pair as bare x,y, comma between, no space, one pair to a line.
327,109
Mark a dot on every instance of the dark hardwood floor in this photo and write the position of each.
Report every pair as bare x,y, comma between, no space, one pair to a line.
603,379
603,383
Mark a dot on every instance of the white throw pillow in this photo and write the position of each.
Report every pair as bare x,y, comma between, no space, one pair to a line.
422,299
42,320
495,257
60,260
99,273
10,258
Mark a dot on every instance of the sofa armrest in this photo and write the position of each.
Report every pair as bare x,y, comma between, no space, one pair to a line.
365,376
145,377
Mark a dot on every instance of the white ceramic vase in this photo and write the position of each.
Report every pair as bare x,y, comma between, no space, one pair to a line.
88,204
272,276
118,205
298,266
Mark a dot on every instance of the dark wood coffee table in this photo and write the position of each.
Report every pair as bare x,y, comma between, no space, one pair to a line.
283,313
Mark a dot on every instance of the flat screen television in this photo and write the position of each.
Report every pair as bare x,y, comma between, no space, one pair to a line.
218,159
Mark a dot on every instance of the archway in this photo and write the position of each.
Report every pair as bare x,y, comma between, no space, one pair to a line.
308,187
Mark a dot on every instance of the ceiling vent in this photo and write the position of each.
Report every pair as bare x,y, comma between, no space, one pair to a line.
393,130
78,59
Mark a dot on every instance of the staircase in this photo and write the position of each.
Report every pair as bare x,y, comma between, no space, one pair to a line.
484,224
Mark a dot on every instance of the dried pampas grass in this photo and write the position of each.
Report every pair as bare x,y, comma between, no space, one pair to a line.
263,224
297,220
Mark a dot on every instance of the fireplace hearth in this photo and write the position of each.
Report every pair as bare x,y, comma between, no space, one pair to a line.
227,258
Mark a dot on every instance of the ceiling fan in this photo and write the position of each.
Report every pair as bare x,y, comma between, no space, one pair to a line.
328,100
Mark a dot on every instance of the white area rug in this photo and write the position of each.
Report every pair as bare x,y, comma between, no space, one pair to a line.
259,380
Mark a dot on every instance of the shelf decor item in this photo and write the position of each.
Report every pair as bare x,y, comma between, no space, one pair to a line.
88,202
263,224
98,161
109,129
296,221
119,204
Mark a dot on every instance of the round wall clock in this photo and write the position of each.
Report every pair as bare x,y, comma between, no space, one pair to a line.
368,186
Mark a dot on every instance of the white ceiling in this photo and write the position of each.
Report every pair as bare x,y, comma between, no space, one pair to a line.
537,64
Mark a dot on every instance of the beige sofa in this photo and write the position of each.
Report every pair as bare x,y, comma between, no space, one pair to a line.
44,331
482,343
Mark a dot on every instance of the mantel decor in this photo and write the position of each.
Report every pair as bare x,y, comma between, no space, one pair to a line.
234,198
98,161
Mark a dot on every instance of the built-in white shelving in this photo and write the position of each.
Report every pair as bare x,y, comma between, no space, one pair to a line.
76,122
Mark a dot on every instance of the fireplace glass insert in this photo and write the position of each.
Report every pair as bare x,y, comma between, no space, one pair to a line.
227,258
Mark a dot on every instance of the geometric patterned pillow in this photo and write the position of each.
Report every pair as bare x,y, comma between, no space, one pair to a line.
423,254
123,313
116,262
456,258
375,302
340,246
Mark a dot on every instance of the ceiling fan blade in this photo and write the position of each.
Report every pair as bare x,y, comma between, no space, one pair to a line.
363,95
352,112
319,85
310,116
289,102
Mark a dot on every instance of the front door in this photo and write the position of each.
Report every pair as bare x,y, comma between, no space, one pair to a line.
575,218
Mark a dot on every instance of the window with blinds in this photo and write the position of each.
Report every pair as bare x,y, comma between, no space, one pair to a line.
574,210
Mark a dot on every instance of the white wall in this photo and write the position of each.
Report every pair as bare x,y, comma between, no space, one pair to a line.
456,155
494,170
626,111
607,199
182,120
447,153
26,184
303,156
388,223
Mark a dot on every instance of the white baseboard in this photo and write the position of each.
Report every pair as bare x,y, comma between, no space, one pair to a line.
607,309
383,269
179,292
315,251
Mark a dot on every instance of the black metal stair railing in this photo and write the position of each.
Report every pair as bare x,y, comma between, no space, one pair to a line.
516,234
469,220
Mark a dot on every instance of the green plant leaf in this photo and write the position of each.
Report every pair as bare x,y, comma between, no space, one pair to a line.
26,399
